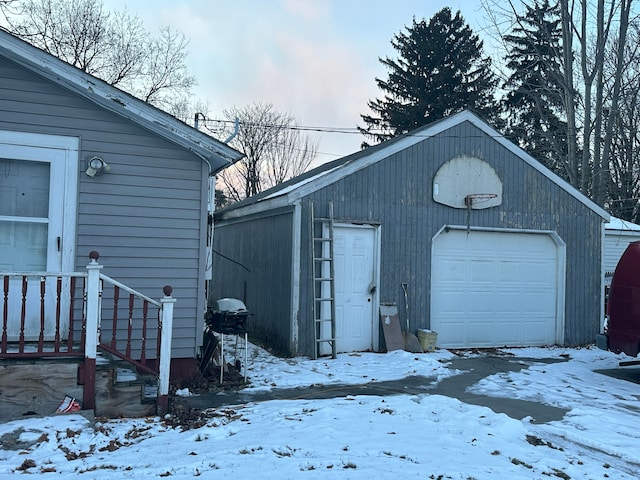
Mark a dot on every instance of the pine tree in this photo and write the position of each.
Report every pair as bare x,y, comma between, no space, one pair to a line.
441,70
534,103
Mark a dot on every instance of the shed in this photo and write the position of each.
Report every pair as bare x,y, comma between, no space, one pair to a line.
87,167
493,248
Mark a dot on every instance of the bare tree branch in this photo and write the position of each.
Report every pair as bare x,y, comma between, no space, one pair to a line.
112,46
274,150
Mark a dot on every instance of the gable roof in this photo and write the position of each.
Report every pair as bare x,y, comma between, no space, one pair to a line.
217,154
288,192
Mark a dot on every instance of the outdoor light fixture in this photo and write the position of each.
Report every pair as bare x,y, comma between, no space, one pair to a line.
96,166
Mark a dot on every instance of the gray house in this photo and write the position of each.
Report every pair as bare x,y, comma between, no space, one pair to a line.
88,167
491,248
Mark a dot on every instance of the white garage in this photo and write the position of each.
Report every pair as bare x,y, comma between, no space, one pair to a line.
497,288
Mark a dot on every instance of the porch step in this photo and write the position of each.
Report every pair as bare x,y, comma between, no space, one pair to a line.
121,391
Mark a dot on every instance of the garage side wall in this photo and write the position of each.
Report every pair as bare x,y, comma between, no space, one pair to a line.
396,193
252,262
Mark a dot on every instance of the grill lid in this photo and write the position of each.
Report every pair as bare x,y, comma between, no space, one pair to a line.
229,305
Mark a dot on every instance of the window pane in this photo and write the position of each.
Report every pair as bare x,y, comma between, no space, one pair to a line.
23,246
24,188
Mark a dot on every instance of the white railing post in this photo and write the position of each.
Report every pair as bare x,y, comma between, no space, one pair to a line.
165,349
91,332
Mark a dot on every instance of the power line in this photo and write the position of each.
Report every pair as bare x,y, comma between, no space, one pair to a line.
348,130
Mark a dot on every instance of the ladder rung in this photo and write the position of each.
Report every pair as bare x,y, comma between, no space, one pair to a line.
323,228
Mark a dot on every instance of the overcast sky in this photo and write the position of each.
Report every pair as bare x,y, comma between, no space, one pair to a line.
314,59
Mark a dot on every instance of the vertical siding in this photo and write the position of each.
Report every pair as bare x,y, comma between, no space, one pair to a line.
397,193
145,216
252,262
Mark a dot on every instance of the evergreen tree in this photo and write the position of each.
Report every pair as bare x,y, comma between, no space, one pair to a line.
534,102
441,70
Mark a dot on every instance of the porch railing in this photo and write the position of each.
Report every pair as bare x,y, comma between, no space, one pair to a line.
65,340
136,328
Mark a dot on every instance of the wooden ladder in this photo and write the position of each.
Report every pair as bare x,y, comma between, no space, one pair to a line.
324,305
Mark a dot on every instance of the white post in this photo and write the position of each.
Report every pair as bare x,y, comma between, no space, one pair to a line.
165,349
91,333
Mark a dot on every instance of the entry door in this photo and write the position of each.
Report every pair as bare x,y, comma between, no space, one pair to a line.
38,192
355,275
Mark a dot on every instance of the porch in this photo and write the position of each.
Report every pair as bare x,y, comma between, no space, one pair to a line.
77,334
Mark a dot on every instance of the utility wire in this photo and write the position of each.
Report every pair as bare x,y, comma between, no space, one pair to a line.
345,130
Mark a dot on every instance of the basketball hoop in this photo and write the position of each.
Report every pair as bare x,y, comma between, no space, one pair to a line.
476,198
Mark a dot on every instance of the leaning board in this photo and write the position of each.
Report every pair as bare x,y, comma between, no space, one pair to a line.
390,323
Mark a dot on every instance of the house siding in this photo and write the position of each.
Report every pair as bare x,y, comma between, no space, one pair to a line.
615,243
144,216
396,193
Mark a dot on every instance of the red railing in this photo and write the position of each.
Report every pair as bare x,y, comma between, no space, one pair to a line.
48,325
131,334
46,315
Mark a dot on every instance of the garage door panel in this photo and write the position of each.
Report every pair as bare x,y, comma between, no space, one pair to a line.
450,303
507,333
501,287
453,334
540,302
539,331
482,332
509,303
455,268
482,271
510,272
482,302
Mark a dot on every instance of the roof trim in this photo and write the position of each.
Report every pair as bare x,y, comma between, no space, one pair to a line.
217,154
310,182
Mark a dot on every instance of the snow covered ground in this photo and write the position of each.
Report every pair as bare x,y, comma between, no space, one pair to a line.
361,437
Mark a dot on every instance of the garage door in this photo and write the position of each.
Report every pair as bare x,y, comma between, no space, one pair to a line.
493,289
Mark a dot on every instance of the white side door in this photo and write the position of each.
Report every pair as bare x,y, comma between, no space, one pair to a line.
38,196
355,271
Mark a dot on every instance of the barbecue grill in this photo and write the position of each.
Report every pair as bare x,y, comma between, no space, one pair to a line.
228,317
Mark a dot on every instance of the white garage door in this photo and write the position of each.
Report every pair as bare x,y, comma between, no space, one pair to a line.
493,289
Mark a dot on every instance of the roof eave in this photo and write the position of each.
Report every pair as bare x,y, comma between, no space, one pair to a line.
217,154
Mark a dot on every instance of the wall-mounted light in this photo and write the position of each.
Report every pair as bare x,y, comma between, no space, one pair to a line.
96,166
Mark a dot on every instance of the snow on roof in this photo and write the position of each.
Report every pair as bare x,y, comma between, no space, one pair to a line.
619,224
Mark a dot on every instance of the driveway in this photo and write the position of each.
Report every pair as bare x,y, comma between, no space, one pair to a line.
470,370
